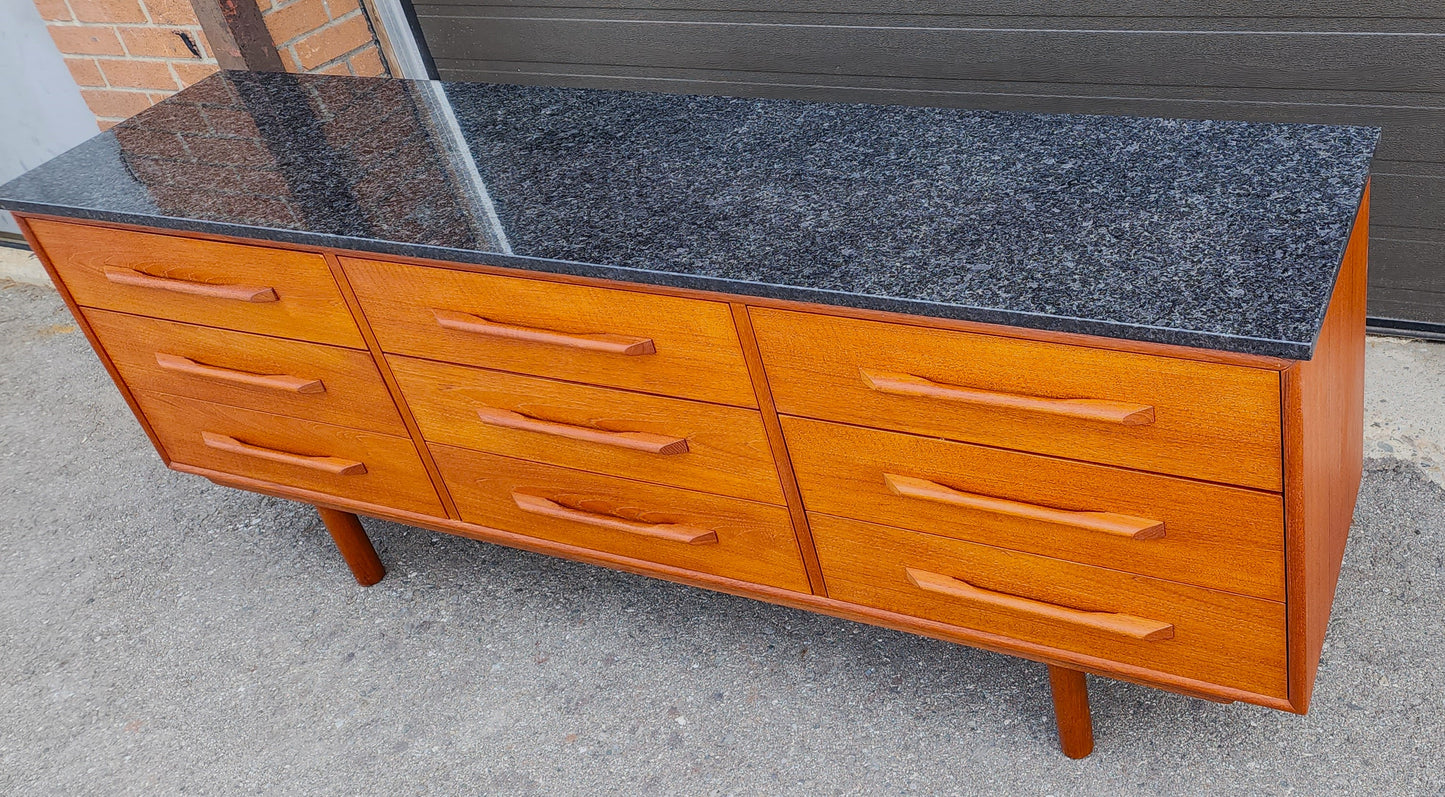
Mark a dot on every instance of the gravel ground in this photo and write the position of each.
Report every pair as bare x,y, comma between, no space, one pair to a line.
162,635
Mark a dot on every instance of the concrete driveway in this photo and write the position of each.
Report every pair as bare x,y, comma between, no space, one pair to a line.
162,635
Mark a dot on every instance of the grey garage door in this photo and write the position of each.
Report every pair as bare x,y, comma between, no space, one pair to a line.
1378,63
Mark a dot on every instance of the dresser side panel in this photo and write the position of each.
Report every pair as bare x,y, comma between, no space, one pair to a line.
1324,458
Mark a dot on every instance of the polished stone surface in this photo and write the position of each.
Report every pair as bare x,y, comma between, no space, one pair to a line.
1224,235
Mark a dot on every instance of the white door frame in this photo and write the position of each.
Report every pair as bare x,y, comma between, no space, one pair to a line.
394,31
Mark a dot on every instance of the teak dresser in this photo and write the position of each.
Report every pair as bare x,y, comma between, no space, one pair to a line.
1014,466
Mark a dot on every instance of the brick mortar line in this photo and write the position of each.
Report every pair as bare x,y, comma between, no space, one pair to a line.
73,23
149,59
375,39
94,62
348,56
127,88
329,24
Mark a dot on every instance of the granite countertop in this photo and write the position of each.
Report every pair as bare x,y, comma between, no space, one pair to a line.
1222,235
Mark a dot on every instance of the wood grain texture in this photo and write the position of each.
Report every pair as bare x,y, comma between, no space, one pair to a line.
334,263
1190,353
237,36
308,306
1094,620
135,278
1125,670
725,452
353,393
81,321
393,475
1323,458
324,463
1100,411
1128,527
604,342
608,519
1070,690
754,541
1230,640
783,597
1214,422
781,458
353,544
1226,538
696,347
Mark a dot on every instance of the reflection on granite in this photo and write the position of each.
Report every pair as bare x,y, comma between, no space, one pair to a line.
1225,235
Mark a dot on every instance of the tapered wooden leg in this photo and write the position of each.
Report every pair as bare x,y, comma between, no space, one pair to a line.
1071,711
354,545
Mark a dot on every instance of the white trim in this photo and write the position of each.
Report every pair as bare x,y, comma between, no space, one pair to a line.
397,29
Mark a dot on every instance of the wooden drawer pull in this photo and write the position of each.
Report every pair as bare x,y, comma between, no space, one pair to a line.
637,441
240,293
332,465
1088,409
611,344
1125,625
282,382
1135,528
538,505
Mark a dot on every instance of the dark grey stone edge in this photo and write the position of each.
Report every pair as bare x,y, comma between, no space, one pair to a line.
1267,347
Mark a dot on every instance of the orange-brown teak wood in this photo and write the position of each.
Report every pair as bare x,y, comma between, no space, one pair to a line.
1163,515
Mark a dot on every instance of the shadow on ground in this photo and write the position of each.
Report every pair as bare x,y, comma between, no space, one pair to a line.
159,634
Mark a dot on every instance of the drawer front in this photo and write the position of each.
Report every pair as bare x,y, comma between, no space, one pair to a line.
286,377
727,537
348,463
1210,636
1203,420
656,344
250,288
704,447
1227,538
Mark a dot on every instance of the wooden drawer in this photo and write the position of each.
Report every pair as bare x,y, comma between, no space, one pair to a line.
349,463
705,447
1204,420
287,377
250,288
1228,538
638,341
1211,636
727,537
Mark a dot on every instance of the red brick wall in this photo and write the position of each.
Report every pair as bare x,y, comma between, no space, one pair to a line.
332,37
127,55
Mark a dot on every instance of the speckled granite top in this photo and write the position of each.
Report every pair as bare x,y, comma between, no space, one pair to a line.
1222,235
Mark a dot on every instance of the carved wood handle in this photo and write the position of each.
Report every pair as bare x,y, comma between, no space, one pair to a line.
333,465
637,441
1119,412
538,505
603,342
240,293
282,382
1134,528
1125,625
